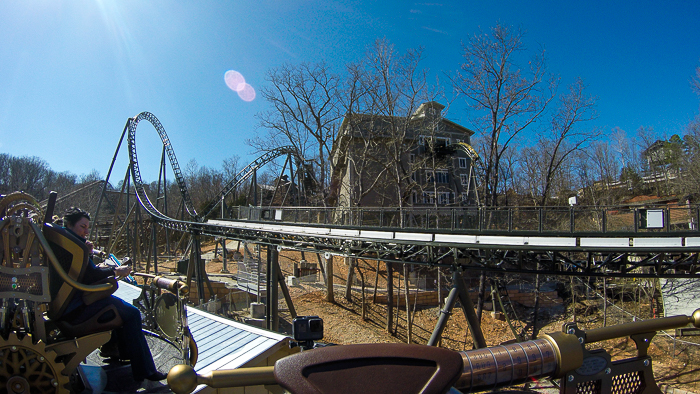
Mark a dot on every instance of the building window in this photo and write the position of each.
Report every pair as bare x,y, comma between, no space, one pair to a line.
443,198
464,178
439,176
411,158
464,196
462,162
442,176
441,142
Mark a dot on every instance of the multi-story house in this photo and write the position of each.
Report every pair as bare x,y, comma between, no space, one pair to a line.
415,160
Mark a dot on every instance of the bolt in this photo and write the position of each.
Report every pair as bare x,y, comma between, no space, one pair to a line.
42,359
571,378
13,348
580,339
54,383
608,371
646,363
571,331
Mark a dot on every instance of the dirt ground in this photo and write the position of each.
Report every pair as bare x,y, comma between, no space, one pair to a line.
676,364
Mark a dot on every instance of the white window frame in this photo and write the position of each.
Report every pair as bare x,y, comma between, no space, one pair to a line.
442,176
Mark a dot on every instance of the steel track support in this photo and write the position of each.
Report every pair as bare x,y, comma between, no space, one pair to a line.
272,315
197,265
458,291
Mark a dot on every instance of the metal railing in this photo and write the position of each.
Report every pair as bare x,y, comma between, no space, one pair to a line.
611,220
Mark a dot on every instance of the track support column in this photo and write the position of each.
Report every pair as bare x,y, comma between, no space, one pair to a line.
458,291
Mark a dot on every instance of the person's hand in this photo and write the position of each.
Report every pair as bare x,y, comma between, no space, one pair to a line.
122,271
89,245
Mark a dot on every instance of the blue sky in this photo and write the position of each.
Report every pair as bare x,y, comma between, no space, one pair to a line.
72,72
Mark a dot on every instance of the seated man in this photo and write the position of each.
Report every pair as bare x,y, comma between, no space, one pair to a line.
131,342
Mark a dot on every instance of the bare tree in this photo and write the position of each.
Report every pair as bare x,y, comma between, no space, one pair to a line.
695,81
305,113
386,89
564,137
507,98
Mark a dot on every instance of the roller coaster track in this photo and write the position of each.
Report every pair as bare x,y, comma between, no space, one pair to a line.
136,173
247,171
473,238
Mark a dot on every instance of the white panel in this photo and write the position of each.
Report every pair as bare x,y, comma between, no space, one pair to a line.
455,238
500,240
345,233
551,241
377,234
414,237
692,241
292,229
657,242
271,228
316,230
606,242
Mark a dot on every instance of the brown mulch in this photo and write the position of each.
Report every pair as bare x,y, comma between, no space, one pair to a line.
678,366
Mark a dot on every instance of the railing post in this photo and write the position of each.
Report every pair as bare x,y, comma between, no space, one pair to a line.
571,219
636,220
539,219
479,218
510,219
605,221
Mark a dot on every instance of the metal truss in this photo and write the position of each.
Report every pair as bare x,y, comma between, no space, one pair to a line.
567,252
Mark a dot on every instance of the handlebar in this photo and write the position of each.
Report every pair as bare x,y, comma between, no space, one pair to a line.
552,355
173,285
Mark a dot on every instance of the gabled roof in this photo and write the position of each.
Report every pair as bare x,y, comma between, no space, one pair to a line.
425,110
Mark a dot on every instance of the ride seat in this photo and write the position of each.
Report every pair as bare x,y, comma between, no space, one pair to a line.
73,255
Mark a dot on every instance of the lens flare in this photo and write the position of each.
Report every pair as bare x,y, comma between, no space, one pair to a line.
247,93
234,80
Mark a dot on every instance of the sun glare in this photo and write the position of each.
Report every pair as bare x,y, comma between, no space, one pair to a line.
235,81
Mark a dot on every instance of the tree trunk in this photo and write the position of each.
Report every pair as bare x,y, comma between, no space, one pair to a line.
389,297
348,281
605,303
481,295
320,266
376,283
573,299
409,325
329,280
362,284
398,305
535,329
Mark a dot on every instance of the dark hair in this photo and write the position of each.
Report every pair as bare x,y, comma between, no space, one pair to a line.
73,215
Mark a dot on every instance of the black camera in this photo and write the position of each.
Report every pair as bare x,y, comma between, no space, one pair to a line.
307,328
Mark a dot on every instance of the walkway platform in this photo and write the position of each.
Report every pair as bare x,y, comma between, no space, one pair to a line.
222,344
